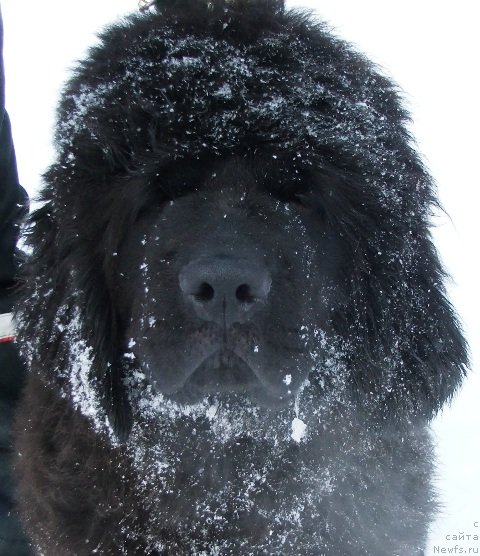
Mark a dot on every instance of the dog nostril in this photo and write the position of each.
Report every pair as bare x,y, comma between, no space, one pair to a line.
244,294
224,289
205,292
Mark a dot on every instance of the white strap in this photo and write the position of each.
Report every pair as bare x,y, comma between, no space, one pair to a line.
7,327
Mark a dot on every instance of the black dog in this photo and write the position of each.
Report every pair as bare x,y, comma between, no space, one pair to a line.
234,318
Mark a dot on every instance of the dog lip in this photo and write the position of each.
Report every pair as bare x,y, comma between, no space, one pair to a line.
223,370
226,373
226,369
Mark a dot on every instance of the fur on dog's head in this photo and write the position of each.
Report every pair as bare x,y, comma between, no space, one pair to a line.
200,82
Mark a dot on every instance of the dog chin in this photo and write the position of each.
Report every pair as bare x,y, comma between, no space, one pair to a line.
222,417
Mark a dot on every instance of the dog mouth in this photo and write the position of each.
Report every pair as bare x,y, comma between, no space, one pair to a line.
224,373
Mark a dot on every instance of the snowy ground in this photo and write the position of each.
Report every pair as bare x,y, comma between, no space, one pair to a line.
431,48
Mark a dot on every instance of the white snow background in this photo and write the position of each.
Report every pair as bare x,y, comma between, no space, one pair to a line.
431,48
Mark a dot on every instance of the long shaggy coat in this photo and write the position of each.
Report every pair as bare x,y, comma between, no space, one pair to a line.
158,129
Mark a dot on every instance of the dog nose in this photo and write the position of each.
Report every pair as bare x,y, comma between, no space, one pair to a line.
224,289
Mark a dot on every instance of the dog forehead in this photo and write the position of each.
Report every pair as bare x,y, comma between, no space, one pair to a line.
230,182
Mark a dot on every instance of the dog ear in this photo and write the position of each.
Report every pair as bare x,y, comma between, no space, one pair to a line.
405,343
434,350
66,280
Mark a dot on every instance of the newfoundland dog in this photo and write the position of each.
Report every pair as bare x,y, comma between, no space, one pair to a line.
233,316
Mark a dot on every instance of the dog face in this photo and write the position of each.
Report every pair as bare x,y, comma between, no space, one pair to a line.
273,164
221,284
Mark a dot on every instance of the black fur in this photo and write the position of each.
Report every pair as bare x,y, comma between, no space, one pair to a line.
232,129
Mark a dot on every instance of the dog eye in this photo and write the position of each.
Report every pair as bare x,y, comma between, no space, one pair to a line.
301,199
293,197
310,202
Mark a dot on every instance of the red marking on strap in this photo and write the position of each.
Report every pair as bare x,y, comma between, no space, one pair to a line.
7,339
